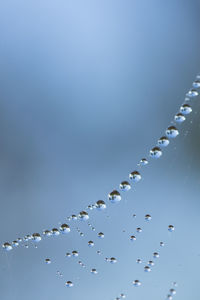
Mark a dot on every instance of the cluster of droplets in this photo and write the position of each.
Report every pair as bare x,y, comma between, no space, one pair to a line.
172,292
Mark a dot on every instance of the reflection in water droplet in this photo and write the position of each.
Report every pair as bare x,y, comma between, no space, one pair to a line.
113,260
185,109
91,244
155,254
64,228
179,118
147,217
147,269
136,282
100,205
83,215
69,284
7,246
114,196
101,235
172,132
36,237
75,253
163,141
125,186
47,261
155,152
171,228
135,176
133,238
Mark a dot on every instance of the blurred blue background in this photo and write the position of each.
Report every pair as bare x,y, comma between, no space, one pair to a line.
87,88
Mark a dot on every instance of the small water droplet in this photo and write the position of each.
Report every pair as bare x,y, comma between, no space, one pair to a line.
100,205
36,237
163,141
113,260
64,228
147,269
148,217
123,296
156,255
47,233
162,244
114,196
74,217
171,228
192,93
68,254
155,152
179,118
125,186
94,271
134,215
15,243
169,297
151,263
55,231
185,109
172,291
144,162
69,284
136,282
75,253
98,252
48,261
133,238
135,176
7,246
172,132
196,84
139,229
138,261
101,235
83,215
91,244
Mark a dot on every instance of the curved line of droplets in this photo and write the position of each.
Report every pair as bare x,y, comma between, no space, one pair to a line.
135,176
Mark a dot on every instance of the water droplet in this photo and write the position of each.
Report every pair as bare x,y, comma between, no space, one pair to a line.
172,132
47,233
144,162
155,152
147,269
134,215
163,141
139,229
68,254
125,186
75,253
27,238
123,296
174,283
162,244
69,284
36,237
7,246
171,228
83,215
26,246
90,207
151,263
19,240
98,252
179,118
192,93
135,176
94,271
100,205
156,255
185,109
101,235
48,261
114,196
15,243
136,282
169,297
81,234
74,217
64,228
196,84
113,260
138,261
148,217
172,291
133,238
55,231
93,229
91,244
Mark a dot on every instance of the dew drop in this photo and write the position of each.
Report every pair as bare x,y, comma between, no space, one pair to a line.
55,231
171,228
148,217
179,118
172,291
172,132
169,297
83,215
163,141
136,282
123,296
114,196
144,162
69,284
15,243
113,260
162,244
125,186
91,244
94,271
74,217
185,109
133,238
139,229
155,152
138,261
100,205
64,228
151,263
36,237
156,255
68,254
192,93
196,84
75,253
135,176
7,246
147,269
134,215
101,235
47,233
48,261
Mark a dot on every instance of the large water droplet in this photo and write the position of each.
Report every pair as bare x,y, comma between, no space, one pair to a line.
101,235
64,228
7,246
155,152
172,132
36,237
125,186
55,231
83,215
196,84
163,141
179,118
185,109
135,176
100,205
91,244
114,196
75,253
192,93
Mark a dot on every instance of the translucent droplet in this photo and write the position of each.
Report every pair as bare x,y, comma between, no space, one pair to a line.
155,152
148,217
138,261
123,296
133,238
185,109
93,229
162,244
134,215
36,237
169,297
192,93
69,284
125,186
179,118
139,229
147,269
90,207
48,261
172,132
171,228
136,282
75,253
175,283
55,231
91,244
156,255
94,271
113,260
114,196
151,263
144,162
15,243
47,233
26,246
19,240
196,84
135,176
7,246
101,235
172,291
68,254
163,141
83,215
64,228
27,238
98,252
74,217
100,205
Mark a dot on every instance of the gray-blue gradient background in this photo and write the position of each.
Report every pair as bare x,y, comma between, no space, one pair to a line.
86,88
